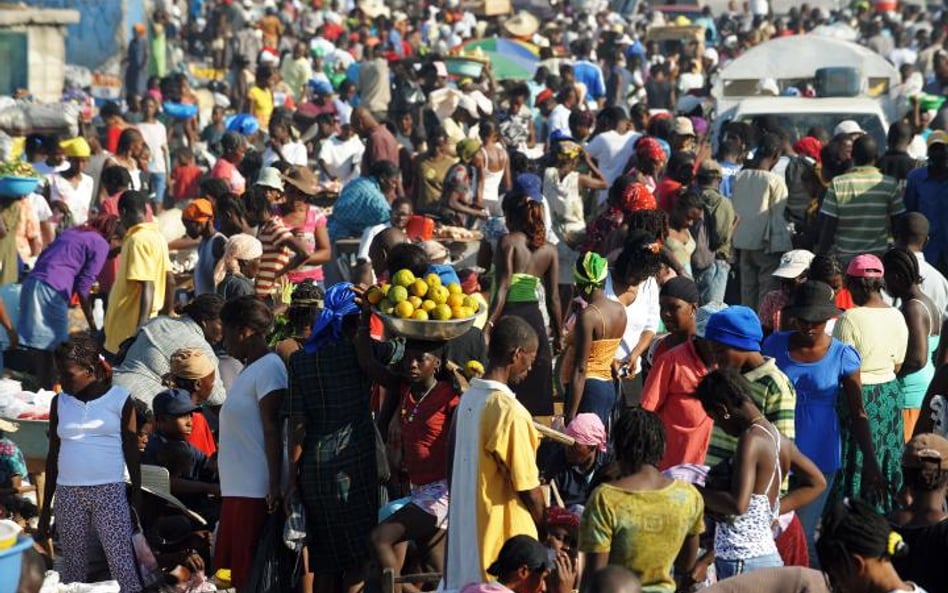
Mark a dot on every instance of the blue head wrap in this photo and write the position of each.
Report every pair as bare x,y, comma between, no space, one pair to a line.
339,303
530,185
242,123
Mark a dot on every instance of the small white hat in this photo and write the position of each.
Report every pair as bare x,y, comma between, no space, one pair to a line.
468,104
848,126
270,177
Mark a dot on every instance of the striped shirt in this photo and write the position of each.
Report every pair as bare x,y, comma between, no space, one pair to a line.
274,236
863,202
774,394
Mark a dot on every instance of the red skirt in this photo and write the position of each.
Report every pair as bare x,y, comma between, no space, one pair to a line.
792,545
239,530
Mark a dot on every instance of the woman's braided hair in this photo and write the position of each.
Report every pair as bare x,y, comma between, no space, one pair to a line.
83,350
639,439
854,527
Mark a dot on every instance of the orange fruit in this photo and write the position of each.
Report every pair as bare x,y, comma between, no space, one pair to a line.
418,288
428,305
398,294
374,295
420,315
404,310
433,280
455,288
441,312
457,312
415,302
403,278
455,300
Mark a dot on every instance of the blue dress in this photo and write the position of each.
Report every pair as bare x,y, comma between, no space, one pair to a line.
818,391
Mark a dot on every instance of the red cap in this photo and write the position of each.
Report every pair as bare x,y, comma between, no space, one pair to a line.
543,96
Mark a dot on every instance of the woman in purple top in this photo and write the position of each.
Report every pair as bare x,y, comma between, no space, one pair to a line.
822,369
68,266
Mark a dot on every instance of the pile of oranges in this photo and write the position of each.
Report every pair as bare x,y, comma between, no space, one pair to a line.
421,299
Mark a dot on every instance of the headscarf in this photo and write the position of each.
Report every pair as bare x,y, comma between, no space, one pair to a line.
76,148
560,517
339,304
191,363
648,149
637,197
681,288
568,149
467,148
588,429
809,146
199,210
591,271
240,247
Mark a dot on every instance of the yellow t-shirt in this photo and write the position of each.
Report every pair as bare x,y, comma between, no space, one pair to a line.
261,105
643,530
879,335
144,258
507,465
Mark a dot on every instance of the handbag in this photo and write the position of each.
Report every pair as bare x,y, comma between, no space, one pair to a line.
145,561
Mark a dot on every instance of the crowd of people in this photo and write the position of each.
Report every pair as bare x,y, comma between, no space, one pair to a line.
733,355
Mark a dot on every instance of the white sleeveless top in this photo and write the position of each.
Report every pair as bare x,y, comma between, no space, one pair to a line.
90,434
751,535
492,181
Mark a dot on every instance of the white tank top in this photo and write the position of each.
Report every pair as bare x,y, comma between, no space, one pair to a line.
492,180
90,434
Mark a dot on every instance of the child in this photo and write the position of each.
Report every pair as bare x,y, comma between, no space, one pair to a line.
282,251
145,421
185,177
12,463
791,273
425,408
193,371
214,131
193,474
686,212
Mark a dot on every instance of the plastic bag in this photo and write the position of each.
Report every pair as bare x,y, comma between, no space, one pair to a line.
275,569
148,569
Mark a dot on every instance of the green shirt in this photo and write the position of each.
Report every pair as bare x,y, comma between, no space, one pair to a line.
863,202
774,394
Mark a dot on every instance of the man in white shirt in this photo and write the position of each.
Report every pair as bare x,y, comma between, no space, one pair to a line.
341,155
911,232
566,102
613,148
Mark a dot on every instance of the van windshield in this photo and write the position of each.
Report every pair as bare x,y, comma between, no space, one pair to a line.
798,124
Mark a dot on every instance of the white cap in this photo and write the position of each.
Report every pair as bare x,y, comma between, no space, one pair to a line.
848,126
793,263
711,55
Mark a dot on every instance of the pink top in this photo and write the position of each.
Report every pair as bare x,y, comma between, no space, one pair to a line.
669,392
307,233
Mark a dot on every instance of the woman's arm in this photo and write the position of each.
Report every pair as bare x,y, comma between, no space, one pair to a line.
743,479
504,265
323,251
480,165
916,355
552,288
131,453
809,480
456,203
594,562
300,257
52,471
582,342
687,557
270,418
938,386
376,371
852,386
296,433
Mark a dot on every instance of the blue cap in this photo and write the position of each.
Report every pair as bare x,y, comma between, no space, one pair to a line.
735,327
320,87
560,136
173,402
242,123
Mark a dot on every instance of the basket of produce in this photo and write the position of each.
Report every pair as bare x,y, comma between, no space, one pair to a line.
17,179
423,308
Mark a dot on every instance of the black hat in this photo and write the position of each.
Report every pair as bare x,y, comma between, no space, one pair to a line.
522,550
173,402
812,301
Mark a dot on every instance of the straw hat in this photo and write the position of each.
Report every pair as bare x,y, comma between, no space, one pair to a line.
522,24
